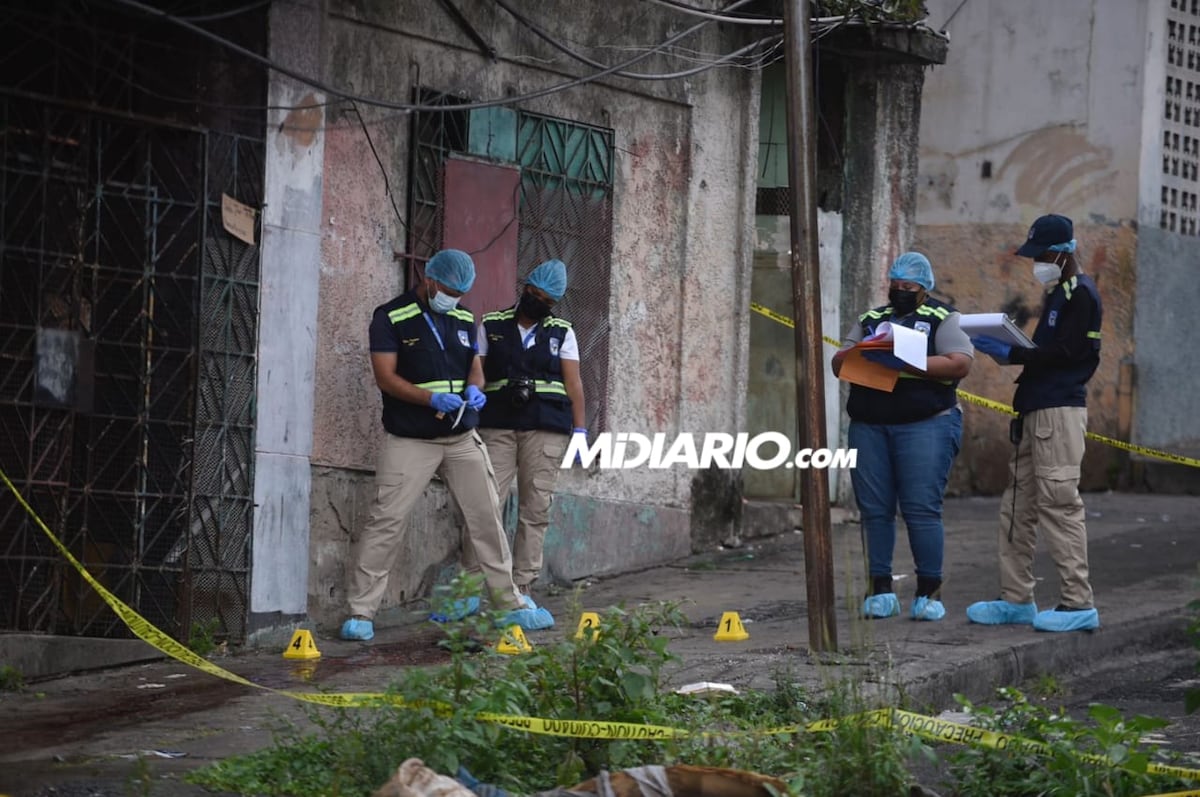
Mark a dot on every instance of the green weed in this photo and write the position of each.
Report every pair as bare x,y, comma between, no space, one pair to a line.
11,679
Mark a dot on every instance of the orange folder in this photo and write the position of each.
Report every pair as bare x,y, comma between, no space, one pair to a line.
861,371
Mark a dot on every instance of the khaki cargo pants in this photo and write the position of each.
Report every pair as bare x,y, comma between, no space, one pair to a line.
533,458
1043,495
403,471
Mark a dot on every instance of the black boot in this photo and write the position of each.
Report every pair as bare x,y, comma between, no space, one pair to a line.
881,585
929,587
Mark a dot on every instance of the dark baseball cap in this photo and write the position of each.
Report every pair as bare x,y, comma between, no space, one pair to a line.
1045,233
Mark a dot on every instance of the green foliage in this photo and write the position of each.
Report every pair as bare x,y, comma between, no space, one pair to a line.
1063,768
202,641
11,679
619,677
1047,686
873,10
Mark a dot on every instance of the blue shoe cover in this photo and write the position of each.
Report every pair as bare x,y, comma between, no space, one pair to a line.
356,630
926,608
881,606
1002,613
1067,620
531,618
456,610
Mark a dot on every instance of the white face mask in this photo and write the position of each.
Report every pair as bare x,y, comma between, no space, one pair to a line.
1046,273
441,303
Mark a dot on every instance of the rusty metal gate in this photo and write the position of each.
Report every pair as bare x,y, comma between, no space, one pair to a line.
127,370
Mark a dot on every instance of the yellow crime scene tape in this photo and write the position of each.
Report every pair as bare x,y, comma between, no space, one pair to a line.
918,724
1166,456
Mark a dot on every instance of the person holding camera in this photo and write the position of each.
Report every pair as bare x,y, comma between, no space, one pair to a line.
423,355
535,403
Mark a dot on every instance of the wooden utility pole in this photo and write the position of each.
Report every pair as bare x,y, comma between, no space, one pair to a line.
806,309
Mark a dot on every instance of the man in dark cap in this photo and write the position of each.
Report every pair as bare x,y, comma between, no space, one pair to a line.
1048,432
425,360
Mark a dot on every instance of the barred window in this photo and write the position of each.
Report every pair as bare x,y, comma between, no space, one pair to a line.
564,211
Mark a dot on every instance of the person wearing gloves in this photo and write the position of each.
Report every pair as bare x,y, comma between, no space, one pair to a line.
535,403
1048,433
907,439
423,354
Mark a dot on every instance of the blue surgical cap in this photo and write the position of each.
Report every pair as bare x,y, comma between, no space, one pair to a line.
453,268
551,277
913,267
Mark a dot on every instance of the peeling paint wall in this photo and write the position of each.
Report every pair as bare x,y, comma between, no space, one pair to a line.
683,205
1034,113
291,225
1050,103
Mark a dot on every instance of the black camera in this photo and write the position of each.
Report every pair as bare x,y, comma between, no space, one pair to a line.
520,391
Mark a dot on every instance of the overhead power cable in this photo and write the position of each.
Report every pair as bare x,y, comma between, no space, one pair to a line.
398,106
736,20
549,39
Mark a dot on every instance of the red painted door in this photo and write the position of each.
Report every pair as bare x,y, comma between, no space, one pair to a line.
480,218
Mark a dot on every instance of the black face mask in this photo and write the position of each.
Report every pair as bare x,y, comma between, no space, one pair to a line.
531,306
902,302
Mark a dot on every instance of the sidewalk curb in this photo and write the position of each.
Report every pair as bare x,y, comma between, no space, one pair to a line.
1057,654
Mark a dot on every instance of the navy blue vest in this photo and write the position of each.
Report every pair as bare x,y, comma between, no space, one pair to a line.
442,367
914,398
508,362
1041,386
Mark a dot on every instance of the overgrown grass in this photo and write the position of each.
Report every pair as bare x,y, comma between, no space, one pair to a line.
1065,771
11,679
619,677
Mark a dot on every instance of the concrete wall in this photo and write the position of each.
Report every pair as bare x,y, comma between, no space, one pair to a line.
680,274
291,225
1164,381
1033,113
772,382
1167,363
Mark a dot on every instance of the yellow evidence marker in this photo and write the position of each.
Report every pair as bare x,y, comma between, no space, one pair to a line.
513,641
730,629
302,646
589,626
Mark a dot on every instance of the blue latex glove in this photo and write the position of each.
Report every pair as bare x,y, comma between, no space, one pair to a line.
885,358
577,432
992,347
446,402
475,398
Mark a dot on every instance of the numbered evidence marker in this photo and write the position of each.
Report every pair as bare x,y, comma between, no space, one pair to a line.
302,646
513,641
589,626
730,629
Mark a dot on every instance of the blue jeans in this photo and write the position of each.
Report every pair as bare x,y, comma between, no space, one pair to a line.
905,463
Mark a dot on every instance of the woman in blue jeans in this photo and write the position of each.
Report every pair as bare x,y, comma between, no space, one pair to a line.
907,439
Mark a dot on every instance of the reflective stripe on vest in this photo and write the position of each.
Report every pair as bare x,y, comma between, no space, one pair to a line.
438,386
940,313
404,313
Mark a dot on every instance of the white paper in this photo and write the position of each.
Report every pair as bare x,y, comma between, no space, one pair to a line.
995,325
909,345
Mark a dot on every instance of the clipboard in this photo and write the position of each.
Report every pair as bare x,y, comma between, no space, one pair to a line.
994,325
